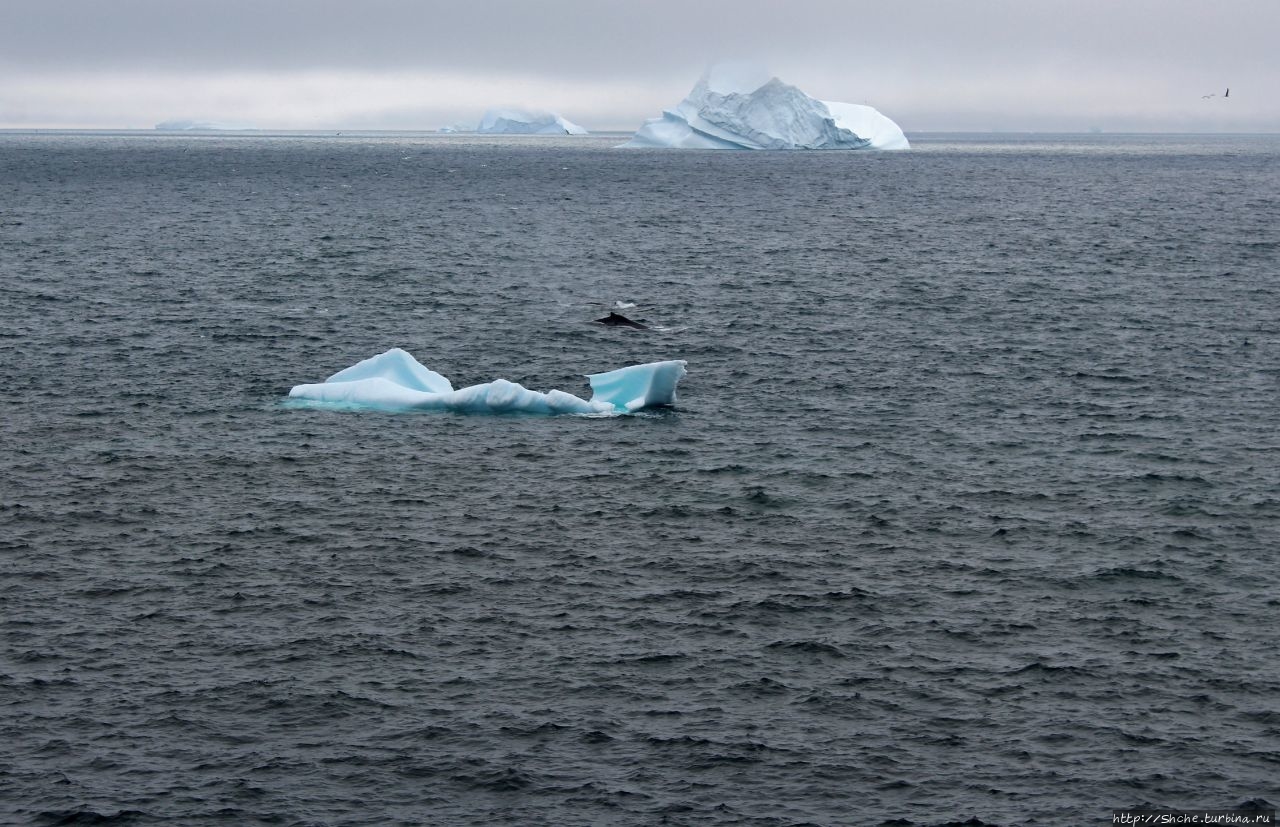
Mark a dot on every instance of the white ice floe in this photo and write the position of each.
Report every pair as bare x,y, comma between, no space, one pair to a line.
395,381
739,106
526,122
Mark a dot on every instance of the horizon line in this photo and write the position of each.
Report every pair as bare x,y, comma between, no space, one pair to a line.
437,131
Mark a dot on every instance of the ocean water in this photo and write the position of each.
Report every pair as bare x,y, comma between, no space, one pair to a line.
969,510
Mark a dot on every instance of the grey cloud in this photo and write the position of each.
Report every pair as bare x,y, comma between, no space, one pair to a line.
576,37
927,58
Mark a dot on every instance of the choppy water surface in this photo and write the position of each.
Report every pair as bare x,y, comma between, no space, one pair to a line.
970,508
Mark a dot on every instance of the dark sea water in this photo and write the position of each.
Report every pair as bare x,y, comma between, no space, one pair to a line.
970,507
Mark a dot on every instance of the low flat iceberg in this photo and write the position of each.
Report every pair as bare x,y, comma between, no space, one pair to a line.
526,122
187,125
739,106
395,381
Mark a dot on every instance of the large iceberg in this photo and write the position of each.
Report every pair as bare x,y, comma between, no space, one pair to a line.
741,107
526,122
395,381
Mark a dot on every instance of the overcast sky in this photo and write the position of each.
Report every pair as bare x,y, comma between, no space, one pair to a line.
931,65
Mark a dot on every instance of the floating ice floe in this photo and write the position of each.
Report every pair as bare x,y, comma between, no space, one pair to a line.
395,381
740,106
526,122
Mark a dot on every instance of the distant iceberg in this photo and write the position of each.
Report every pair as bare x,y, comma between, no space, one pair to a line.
395,381
526,122
737,106
199,126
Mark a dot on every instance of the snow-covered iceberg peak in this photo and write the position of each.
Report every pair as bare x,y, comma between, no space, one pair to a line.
395,381
738,106
527,122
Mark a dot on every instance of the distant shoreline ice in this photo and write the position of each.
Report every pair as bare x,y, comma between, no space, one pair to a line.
184,125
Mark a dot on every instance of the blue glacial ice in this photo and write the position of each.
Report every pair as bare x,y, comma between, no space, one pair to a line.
395,381
740,106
